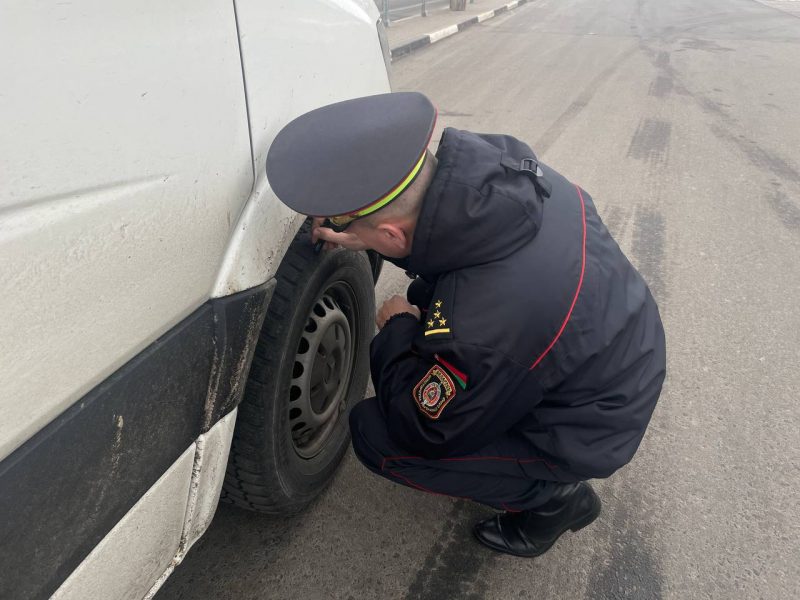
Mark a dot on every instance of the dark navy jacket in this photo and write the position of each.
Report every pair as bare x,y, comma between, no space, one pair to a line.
538,325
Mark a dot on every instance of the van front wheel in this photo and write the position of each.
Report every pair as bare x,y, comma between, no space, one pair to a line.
310,367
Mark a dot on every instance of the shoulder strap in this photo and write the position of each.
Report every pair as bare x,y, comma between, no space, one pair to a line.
530,167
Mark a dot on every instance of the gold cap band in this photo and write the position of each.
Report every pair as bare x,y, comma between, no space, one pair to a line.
342,220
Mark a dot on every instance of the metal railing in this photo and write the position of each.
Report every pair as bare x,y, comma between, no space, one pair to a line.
393,9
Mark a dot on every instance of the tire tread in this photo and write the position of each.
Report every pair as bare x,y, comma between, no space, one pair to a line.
252,480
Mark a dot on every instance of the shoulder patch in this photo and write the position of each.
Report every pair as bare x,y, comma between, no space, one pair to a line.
433,392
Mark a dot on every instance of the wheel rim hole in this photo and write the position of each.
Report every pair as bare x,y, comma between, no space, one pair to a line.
298,369
320,372
302,348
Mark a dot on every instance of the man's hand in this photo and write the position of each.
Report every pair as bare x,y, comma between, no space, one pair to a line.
394,306
333,239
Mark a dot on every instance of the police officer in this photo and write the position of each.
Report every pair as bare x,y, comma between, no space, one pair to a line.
529,354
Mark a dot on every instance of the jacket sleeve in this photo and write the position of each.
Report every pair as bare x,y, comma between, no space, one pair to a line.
446,398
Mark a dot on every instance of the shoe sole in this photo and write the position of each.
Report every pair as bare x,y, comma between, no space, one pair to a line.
576,526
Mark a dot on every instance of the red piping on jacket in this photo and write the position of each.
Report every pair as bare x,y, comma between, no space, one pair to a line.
533,366
415,485
467,459
577,291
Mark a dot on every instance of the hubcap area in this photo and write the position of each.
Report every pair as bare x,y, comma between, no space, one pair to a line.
322,370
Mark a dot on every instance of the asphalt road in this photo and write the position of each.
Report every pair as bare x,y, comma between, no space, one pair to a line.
680,117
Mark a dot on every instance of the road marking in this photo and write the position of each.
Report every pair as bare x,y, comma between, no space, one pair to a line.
435,36
443,33
395,21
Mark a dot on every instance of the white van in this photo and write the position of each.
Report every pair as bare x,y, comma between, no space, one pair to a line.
166,325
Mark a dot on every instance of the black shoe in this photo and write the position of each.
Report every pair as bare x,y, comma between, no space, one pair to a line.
532,532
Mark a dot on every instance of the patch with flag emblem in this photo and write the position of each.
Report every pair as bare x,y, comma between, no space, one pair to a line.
461,378
434,391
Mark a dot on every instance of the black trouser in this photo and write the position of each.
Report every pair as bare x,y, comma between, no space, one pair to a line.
506,474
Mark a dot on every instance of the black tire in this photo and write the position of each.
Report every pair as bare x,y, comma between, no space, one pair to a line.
277,466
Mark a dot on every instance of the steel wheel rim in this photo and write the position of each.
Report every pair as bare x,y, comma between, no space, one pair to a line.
322,370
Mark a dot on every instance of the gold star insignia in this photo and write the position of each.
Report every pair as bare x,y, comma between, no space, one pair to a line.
430,323
438,304
437,314
442,322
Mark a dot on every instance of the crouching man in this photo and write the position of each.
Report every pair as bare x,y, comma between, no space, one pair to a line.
528,355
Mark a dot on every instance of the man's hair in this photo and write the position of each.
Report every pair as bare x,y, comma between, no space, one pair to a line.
409,203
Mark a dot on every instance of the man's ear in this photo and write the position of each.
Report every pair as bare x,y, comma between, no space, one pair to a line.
394,235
